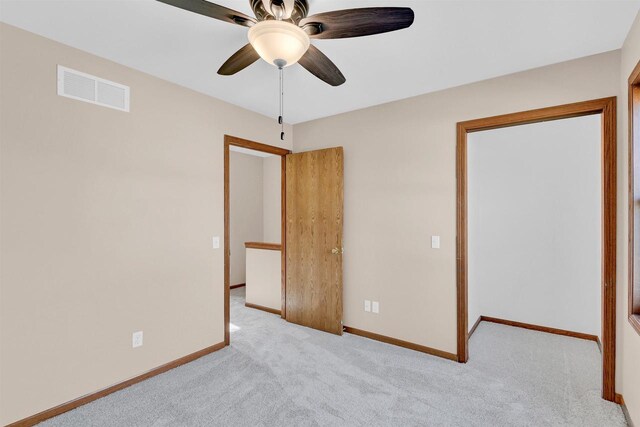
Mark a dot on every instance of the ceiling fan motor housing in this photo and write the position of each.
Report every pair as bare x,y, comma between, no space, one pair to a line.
300,10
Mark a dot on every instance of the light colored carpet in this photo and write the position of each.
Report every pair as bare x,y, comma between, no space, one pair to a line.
279,374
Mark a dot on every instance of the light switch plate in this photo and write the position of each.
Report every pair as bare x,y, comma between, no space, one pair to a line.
375,307
136,339
216,242
435,242
367,305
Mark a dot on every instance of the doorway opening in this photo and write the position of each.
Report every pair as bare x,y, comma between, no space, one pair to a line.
606,109
254,267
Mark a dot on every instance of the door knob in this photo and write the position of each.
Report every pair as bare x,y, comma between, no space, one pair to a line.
337,251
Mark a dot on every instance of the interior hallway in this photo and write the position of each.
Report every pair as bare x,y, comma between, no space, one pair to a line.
277,373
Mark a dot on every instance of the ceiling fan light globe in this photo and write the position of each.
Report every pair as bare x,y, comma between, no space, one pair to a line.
278,41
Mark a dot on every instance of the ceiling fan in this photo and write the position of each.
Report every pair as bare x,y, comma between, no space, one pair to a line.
282,35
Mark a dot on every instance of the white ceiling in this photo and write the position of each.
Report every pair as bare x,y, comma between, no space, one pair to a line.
451,43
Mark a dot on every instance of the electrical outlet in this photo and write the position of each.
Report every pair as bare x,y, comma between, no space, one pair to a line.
435,242
216,242
136,339
375,307
367,305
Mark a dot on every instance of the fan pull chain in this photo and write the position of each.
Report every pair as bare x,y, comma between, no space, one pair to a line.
281,116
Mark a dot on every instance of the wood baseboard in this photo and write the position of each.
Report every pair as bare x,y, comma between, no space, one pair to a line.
239,285
73,404
475,326
555,331
260,307
401,343
620,401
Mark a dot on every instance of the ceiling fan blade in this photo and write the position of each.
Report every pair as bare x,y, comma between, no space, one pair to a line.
239,61
357,22
320,66
212,10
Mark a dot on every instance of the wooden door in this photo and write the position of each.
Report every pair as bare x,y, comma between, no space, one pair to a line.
314,206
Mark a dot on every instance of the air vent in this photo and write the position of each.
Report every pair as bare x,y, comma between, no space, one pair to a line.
85,87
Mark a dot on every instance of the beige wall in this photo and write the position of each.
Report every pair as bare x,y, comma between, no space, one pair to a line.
245,210
628,369
264,284
107,220
400,189
272,196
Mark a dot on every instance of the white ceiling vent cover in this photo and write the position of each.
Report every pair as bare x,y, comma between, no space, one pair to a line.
85,87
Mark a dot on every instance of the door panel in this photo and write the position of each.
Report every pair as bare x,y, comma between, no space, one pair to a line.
314,201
